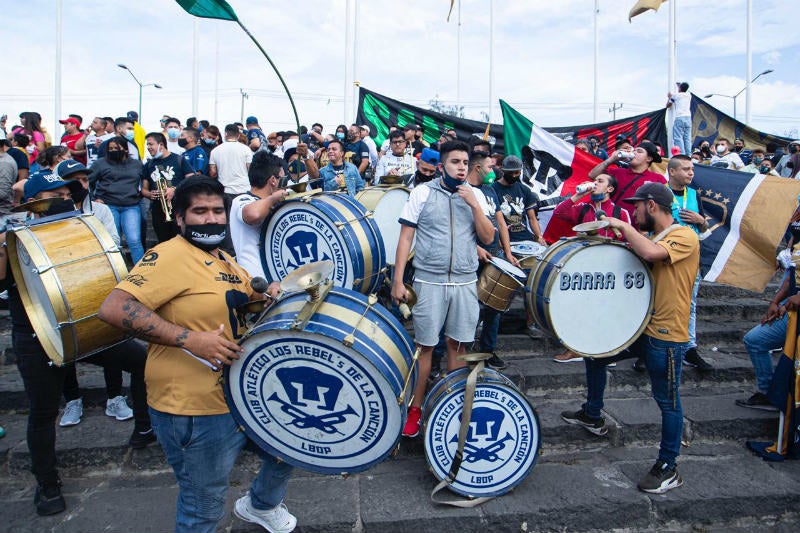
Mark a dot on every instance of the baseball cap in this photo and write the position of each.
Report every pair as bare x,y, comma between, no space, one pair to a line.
410,127
251,120
658,192
70,120
43,180
133,116
512,163
651,150
430,156
70,167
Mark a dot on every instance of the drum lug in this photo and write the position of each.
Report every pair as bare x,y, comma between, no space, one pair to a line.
317,295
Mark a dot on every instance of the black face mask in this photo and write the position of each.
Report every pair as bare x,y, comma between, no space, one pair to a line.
793,149
59,206
182,143
204,236
116,155
79,195
419,177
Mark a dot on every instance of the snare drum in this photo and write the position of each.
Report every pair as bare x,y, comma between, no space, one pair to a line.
319,383
386,202
498,281
503,438
595,296
324,226
64,270
528,253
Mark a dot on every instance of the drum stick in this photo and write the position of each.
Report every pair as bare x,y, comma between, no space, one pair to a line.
600,215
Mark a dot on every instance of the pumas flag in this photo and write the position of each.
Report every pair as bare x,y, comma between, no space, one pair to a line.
559,167
747,216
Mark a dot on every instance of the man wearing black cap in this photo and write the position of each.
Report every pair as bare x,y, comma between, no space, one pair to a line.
518,203
674,253
634,176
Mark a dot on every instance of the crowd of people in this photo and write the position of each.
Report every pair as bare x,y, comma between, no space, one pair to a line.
208,192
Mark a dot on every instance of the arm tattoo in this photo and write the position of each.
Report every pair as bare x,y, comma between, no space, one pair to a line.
134,310
181,338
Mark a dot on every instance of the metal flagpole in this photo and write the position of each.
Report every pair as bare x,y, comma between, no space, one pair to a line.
458,58
195,66
749,62
491,58
56,125
672,69
216,78
596,45
355,60
347,31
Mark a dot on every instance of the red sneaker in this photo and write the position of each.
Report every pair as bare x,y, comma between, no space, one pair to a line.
411,429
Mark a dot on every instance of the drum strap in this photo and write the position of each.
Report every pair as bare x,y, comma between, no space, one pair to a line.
466,415
665,232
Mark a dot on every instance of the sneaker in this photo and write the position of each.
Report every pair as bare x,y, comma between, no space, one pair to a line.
72,414
757,401
495,362
660,479
275,520
579,418
639,365
140,439
48,499
567,357
692,358
118,408
411,429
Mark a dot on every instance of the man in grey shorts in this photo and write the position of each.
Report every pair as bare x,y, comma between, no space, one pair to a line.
448,219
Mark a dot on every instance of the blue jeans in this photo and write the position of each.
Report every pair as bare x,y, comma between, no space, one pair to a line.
663,359
202,451
759,341
129,223
491,325
682,134
693,313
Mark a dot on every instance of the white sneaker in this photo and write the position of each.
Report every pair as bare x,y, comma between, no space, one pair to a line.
275,520
118,408
72,414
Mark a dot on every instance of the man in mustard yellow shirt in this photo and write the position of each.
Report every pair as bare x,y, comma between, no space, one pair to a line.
181,298
674,253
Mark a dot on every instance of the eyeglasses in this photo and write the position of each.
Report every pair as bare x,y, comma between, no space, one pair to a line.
400,141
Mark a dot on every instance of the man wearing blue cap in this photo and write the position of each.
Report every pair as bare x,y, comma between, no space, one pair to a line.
255,137
426,168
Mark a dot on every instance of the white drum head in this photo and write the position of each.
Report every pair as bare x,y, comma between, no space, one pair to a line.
508,268
527,248
386,216
600,299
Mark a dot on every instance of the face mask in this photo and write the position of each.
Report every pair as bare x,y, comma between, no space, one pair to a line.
419,177
58,207
129,135
182,143
737,149
511,178
159,154
450,182
79,195
173,133
210,141
721,148
705,149
297,167
757,160
204,236
597,197
30,149
764,170
116,155
489,177
340,135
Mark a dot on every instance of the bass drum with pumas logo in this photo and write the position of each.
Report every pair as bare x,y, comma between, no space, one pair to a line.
324,226
503,438
320,384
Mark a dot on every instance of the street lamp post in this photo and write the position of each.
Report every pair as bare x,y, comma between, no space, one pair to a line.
740,92
141,86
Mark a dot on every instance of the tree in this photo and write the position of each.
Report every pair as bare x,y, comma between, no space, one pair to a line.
440,107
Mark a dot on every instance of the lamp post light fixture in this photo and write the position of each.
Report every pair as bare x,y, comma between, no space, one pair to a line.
768,71
141,86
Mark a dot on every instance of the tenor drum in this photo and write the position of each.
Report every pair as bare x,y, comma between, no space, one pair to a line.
497,283
64,270
324,226
318,385
502,441
528,253
386,203
595,296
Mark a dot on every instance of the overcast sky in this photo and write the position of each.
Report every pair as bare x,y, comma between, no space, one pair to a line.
406,50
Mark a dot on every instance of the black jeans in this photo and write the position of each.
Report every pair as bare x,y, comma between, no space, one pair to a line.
72,390
164,230
44,383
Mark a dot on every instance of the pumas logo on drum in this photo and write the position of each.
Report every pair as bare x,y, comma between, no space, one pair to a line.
149,259
312,396
483,436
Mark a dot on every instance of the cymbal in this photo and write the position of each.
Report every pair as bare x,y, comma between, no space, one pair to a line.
474,357
253,306
307,276
590,228
298,187
391,180
35,206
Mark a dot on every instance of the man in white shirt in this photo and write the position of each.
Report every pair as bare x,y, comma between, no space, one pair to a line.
229,163
249,210
682,125
370,142
723,157
91,143
396,162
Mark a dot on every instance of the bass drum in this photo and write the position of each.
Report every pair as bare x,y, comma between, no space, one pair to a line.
324,226
64,270
385,203
595,296
319,383
503,439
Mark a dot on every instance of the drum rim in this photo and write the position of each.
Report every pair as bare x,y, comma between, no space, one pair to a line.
380,191
533,281
52,284
534,450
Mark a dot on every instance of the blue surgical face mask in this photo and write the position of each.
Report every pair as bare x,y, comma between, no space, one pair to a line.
129,135
210,141
173,133
159,154
340,135
597,197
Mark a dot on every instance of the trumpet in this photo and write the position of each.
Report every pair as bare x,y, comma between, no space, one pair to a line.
162,183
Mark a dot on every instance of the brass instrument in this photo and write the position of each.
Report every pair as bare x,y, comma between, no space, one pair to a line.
163,181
